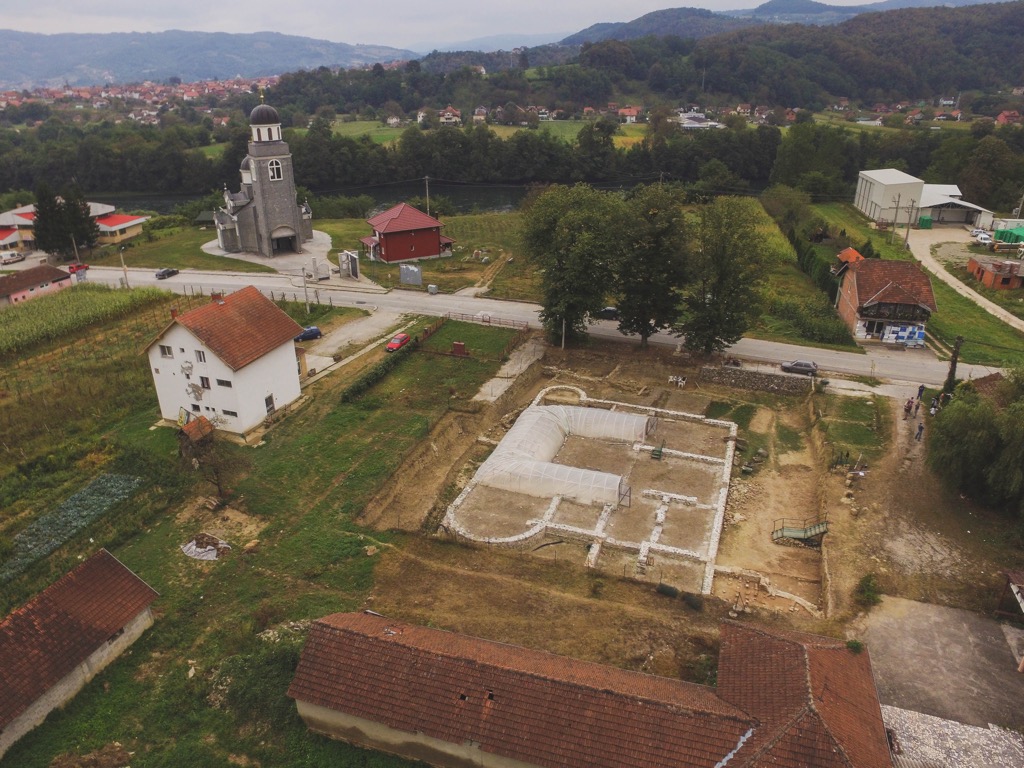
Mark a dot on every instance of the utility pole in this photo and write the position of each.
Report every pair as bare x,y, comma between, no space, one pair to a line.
910,215
123,267
563,331
426,182
305,293
895,216
951,376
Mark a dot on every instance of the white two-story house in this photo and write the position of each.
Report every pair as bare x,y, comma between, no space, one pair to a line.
232,360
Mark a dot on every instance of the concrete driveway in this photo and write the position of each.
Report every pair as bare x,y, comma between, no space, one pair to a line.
945,662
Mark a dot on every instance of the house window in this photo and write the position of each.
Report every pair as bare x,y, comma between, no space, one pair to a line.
226,412
1005,281
223,383
195,407
269,402
276,173
156,371
204,382
200,356
166,351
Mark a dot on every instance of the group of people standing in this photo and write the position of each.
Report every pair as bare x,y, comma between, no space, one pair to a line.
913,405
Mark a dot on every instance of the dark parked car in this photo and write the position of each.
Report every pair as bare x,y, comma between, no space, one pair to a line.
608,313
398,342
163,274
312,332
805,367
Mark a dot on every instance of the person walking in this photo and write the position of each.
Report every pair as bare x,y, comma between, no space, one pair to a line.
920,392
907,408
917,407
920,430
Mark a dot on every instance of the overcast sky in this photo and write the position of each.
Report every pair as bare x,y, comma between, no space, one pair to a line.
398,23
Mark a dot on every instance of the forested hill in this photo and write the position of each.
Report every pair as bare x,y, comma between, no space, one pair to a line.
907,54
688,23
131,57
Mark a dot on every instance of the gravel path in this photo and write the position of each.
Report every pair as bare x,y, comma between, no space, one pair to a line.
921,242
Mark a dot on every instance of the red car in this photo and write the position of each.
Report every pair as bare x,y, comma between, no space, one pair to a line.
72,268
398,342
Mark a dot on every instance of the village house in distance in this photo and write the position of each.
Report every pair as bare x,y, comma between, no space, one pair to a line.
17,226
263,217
232,360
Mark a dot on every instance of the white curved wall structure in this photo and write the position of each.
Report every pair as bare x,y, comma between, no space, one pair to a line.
522,462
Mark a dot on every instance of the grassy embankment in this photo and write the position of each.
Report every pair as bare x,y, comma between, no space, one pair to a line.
988,340
179,247
201,687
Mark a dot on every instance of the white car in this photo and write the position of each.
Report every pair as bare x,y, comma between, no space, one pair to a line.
983,239
12,258
976,232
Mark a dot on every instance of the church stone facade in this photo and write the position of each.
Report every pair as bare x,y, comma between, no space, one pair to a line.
263,217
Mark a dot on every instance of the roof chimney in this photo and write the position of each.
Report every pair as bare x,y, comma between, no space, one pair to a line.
174,313
217,297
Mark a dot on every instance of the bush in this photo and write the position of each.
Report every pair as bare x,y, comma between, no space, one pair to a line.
855,646
667,589
868,592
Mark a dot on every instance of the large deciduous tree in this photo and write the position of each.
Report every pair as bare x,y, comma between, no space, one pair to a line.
575,235
727,261
653,265
63,224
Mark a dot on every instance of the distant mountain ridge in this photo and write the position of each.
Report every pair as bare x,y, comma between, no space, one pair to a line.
31,59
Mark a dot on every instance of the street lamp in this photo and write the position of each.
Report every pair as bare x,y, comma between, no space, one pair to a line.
124,269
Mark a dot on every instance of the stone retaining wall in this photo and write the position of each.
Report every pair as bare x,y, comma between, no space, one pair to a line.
742,378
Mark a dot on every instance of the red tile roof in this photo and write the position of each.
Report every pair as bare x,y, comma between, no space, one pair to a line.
896,282
30,278
784,699
815,698
240,328
118,220
198,428
402,218
44,640
526,705
7,232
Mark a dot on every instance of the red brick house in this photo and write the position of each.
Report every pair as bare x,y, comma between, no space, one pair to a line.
57,642
888,301
783,699
999,274
404,233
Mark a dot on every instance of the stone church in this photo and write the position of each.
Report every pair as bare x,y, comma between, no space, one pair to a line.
263,217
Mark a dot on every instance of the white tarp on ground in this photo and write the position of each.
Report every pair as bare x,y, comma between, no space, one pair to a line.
522,462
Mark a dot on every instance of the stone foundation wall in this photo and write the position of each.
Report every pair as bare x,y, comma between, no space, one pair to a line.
742,378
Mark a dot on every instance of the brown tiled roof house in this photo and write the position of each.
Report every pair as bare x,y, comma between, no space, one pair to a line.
29,283
784,699
58,641
887,301
233,361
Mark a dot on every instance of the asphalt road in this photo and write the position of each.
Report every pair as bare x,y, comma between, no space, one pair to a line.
911,366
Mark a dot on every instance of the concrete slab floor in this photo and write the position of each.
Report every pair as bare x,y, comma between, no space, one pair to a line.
941,661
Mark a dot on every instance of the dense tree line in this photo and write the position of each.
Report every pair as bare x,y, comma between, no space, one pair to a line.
823,161
694,277
976,443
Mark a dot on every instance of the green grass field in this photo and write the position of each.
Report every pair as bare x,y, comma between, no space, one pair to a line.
380,133
180,248
203,686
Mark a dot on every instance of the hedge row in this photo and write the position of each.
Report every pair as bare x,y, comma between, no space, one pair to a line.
376,373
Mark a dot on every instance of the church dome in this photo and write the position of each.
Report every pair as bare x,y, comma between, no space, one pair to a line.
264,114
246,163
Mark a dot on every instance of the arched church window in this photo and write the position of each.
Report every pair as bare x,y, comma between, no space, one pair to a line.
275,170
